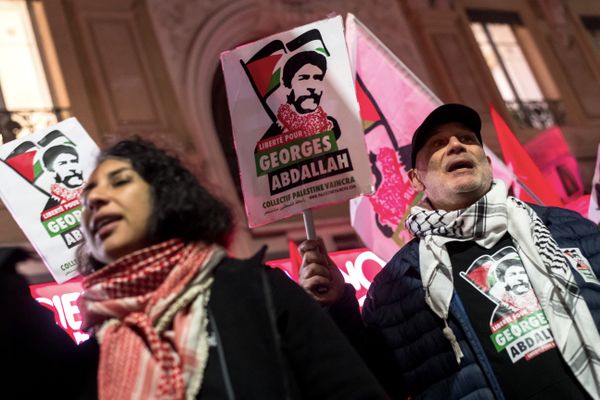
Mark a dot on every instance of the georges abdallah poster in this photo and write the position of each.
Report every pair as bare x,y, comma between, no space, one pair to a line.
42,176
296,125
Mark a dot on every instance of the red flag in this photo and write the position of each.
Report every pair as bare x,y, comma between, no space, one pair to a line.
557,163
523,166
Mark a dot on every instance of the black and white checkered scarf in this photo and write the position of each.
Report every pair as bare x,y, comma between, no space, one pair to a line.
485,222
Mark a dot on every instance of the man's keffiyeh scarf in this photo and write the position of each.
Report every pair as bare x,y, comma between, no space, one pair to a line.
486,222
148,311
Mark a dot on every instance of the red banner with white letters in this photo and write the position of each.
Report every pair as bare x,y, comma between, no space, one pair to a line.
62,300
358,266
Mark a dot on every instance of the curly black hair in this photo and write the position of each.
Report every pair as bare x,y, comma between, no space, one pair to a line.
182,207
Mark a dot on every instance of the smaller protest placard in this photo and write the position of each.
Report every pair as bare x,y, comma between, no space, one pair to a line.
295,120
42,177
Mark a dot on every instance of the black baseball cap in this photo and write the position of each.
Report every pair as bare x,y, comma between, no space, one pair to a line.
442,115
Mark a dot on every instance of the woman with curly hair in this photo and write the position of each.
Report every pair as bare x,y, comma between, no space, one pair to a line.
173,317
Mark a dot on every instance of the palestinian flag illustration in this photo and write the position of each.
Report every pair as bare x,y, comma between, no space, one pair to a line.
25,159
480,277
42,176
264,71
22,160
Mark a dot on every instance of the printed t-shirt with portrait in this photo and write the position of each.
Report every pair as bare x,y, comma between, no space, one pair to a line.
507,317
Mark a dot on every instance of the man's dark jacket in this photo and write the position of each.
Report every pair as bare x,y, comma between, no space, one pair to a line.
404,343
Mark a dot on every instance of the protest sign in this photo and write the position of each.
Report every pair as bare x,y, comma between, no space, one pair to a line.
42,176
295,121
393,103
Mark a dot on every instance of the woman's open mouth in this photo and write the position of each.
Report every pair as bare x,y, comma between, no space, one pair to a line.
104,225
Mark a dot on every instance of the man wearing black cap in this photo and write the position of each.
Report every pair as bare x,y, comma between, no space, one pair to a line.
431,329
448,160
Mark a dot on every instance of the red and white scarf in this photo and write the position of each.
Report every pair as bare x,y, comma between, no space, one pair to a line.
63,193
308,124
148,311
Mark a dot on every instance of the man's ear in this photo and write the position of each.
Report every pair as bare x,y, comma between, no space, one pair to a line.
415,182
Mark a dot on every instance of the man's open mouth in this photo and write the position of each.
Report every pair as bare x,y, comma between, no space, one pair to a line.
460,164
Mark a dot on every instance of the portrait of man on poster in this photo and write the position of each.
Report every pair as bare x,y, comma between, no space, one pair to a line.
62,161
302,114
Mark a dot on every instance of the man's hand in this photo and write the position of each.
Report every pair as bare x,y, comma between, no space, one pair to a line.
318,274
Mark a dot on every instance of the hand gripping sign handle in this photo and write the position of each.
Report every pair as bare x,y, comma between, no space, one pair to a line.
309,226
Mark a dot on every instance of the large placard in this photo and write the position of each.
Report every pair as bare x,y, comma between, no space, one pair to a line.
295,119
